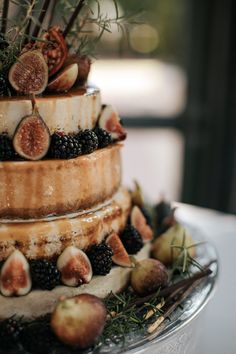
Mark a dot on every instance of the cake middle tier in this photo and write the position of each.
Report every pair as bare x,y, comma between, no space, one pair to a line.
48,238
56,187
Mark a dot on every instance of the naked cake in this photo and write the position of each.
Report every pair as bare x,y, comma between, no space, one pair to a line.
67,225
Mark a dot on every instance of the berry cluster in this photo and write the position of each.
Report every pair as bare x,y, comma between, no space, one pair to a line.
45,274
100,257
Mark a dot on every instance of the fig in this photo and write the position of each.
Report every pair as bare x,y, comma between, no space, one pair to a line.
64,80
139,221
29,74
148,276
164,246
75,267
137,195
79,321
15,275
32,137
54,49
120,255
84,64
165,217
110,121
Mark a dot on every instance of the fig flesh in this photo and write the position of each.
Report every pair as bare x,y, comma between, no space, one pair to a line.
147,276
65,79
32,137
110,121
29,74
75,267
15,277
139,221
120,255
84,64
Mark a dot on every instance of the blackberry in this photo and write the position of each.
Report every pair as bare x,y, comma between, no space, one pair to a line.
10,331
104,138
45,274
64,146
100,257
6,148
88,140
38,337
131,239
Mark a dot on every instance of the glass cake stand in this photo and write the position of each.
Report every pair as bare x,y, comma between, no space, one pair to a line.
180,334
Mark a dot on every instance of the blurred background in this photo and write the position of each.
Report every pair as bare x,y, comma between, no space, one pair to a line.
173,82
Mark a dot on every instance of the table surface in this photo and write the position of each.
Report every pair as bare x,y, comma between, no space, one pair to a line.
219,328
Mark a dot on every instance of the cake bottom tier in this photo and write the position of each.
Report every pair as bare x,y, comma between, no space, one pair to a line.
48,238
41,302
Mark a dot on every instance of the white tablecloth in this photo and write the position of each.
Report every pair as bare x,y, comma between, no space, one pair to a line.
219,328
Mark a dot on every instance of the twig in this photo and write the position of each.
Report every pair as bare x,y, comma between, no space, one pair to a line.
73,17
4,16
168,312
172,288
41,18
150,313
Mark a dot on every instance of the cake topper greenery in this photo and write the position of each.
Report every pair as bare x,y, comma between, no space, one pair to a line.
63,33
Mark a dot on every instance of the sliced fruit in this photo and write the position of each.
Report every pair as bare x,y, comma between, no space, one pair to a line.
147,276
120,255
79,321
164,246
137,195
65,79
75,267
30,73
15,275
139,221
84,64
32,137
110,121
54,49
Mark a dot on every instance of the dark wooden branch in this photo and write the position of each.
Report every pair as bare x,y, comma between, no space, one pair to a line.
73,17
4,16
41,18
51,13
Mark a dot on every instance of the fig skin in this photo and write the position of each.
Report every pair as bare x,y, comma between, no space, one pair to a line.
32,137
163,249
79,321
148,276
110,121
64,80
29,74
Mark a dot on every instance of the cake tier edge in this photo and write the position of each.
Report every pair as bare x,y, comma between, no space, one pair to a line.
47,239
67,112
41,302
30,189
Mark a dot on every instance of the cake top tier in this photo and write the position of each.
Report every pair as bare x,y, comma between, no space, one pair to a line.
68,112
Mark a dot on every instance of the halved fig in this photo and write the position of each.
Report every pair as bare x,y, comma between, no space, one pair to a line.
65,80
84,64
120,255
54,49
75,267
15,275
139,221
32,137
29,74
110,121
